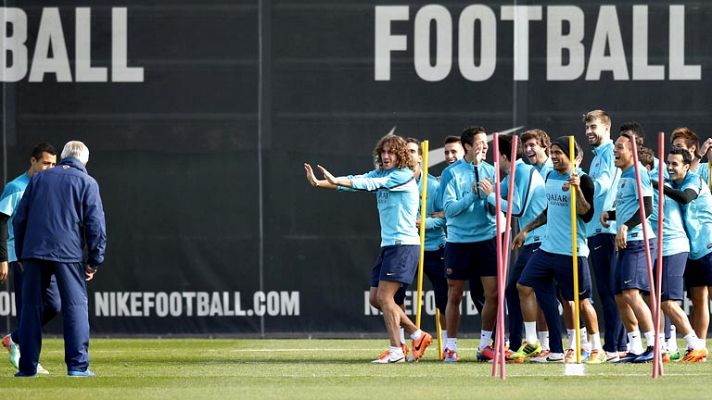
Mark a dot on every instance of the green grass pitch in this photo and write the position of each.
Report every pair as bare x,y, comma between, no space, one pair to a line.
327,369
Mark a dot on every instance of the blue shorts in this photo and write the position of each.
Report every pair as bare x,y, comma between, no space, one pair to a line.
699,272
673,271
465,261
544,267
525,253
396,263
631,267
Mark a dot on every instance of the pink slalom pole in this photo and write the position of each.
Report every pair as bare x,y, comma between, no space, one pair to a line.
659,282
499,337
648,259
510,195
506,252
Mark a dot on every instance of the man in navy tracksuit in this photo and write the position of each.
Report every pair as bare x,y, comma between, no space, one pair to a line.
60,213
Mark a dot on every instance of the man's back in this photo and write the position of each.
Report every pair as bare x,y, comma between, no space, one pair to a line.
61,209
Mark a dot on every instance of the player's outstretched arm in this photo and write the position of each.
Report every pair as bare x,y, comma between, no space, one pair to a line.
317,183
680,196
332,180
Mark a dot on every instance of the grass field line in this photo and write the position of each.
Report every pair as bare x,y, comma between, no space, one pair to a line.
608,374
509,374
255,350
461,349
306,350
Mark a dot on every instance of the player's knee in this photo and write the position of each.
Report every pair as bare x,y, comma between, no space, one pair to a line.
524,290
454,296
667,306
374,303
52,305
491,293
373,300
698,296
586,306
384,299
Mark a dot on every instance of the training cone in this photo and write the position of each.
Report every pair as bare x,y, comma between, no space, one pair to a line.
574,370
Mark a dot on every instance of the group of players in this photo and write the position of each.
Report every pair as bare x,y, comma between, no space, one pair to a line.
461,234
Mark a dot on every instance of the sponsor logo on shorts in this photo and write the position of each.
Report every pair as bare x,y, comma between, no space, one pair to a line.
627,282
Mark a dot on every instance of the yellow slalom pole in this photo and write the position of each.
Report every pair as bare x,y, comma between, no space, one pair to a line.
574,249
423,214
439,330
709,172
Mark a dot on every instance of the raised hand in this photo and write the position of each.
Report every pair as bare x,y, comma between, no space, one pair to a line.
327,175
705,148
478,152
310,175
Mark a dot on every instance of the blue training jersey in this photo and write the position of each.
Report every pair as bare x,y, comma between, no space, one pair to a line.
674,237
703,171
528,199
445,177
469,216
697,215
10,199
397,200
434,227
605,177
558,219
627,201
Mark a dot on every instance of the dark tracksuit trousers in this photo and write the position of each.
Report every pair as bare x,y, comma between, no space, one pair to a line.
75,312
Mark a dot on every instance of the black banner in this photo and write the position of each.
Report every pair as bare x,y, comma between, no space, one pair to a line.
199,115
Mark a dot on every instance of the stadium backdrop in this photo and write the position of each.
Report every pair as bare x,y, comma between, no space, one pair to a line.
199,115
